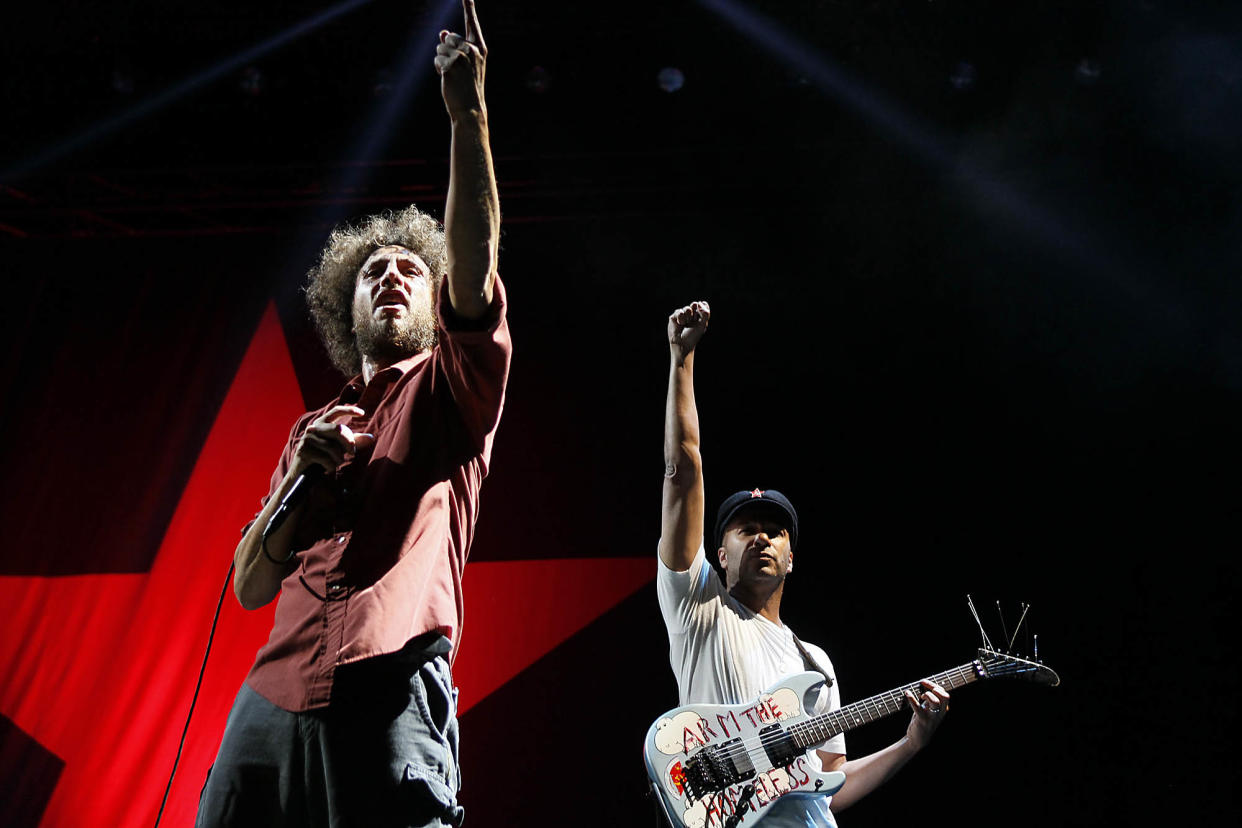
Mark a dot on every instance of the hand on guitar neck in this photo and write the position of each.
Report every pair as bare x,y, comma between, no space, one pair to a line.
930,707
710,763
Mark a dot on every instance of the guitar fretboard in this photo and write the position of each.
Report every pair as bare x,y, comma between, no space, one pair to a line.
821,728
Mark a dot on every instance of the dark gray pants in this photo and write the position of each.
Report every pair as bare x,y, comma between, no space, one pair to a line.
383,754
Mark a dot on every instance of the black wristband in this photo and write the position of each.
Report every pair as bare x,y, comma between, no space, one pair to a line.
266,554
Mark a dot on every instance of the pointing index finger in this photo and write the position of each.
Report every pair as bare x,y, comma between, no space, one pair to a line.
341,413
474,32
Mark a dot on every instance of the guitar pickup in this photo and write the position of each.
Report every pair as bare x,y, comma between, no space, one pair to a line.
779,746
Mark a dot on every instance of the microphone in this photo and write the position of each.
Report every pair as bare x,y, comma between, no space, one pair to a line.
296,494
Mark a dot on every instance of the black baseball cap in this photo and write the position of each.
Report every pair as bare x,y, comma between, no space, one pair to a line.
738,501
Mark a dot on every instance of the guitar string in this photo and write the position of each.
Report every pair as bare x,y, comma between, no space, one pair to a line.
862,712
819,731
893,698
878,706
870,712
875,707
892,701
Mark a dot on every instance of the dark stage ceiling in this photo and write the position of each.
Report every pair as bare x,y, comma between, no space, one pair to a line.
974,270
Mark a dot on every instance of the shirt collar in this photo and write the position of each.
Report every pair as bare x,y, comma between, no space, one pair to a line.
354,389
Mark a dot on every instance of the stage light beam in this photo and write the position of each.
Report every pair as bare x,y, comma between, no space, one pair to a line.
991,198
177,91
400,87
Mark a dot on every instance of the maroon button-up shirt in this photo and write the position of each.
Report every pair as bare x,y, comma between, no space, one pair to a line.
383,542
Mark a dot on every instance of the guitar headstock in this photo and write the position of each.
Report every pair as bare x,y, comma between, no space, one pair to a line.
993,664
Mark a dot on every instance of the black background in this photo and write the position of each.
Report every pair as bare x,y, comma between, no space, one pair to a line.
974,278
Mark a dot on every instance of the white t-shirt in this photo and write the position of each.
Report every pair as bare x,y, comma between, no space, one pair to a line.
723,653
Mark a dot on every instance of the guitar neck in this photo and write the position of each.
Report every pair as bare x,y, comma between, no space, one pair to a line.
819,729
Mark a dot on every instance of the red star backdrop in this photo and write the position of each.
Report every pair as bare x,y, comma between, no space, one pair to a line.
101,666
975,310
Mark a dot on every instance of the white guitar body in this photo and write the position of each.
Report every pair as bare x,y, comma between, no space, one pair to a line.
719,766
716,765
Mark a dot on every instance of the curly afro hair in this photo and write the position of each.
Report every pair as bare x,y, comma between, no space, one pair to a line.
330,283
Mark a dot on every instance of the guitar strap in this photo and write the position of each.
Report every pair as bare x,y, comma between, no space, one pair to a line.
809,661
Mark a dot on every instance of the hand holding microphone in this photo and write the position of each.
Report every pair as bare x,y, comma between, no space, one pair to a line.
325,445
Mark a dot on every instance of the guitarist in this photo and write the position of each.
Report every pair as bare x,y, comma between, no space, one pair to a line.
726,641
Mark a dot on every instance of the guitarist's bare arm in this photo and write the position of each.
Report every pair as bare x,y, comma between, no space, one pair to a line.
862,776
695,767
681,526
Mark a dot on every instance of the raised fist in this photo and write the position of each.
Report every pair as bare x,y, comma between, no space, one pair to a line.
686,327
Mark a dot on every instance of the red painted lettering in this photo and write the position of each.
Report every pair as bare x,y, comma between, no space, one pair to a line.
712,808
713,813
686,736
722,721
723,804
794,768
705,728
763,794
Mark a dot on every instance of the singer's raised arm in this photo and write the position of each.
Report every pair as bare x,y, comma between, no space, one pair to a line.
472,212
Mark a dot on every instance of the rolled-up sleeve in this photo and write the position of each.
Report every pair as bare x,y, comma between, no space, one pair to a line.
474,358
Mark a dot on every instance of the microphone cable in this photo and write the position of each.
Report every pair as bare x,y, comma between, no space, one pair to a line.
198,685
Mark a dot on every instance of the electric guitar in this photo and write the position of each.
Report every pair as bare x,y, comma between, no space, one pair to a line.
719,766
